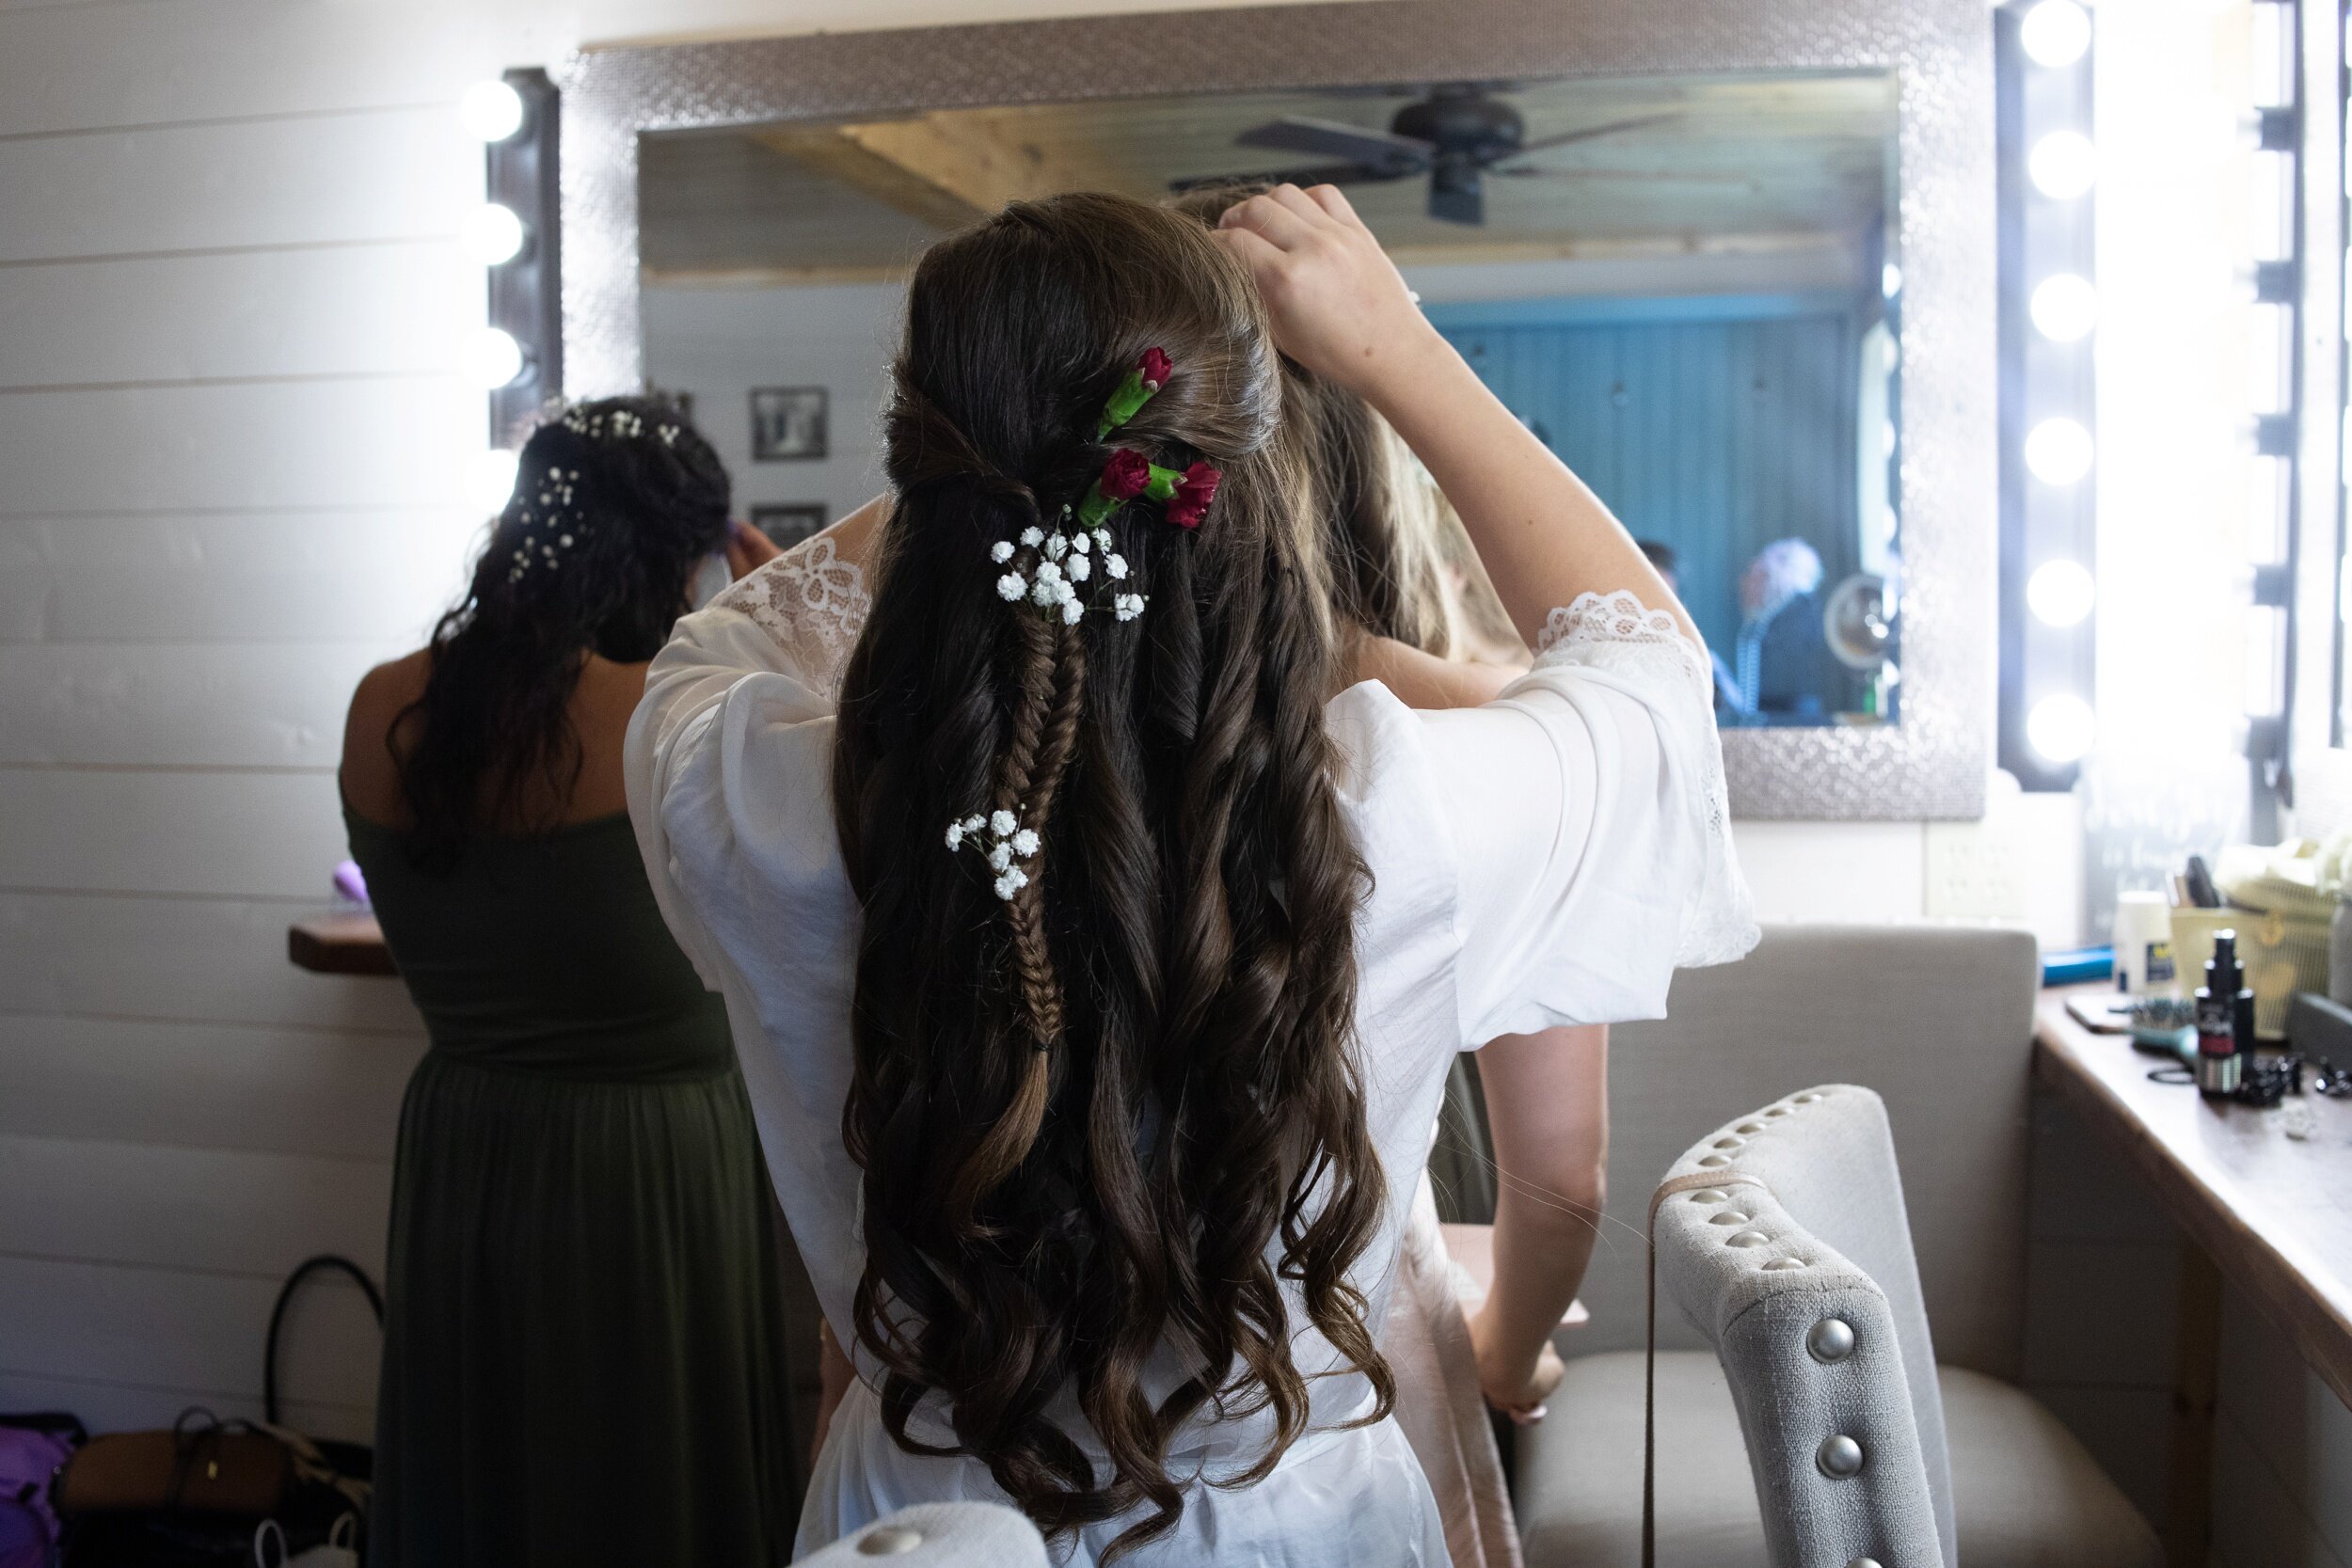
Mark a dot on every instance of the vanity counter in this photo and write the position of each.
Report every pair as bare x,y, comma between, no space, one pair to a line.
2271,1211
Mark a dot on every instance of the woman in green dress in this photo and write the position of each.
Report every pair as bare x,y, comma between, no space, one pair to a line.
584,1361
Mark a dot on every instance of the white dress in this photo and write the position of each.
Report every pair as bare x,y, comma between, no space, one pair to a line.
1547,859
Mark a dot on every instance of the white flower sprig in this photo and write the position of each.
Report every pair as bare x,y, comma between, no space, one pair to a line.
561,524
1051,570
1007,842
618,424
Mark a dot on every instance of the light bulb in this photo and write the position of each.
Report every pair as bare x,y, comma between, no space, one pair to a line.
2065,306
2063,164
490,482
2061,728
2062,592
493,358
2054,33
491,234
2058,451
491,111
1890,280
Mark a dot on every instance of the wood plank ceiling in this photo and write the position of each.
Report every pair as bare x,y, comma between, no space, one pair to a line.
1734,163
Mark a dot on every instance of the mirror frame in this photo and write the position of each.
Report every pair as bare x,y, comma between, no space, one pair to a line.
1934,762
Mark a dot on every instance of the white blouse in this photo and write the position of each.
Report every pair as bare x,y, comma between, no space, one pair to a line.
1548,857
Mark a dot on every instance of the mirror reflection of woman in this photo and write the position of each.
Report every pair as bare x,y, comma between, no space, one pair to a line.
583,1358
1101,1171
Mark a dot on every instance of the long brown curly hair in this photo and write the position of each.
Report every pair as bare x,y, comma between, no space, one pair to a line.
1120,1111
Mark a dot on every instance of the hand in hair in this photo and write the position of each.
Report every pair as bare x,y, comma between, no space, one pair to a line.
1340,307
1339,304
748,550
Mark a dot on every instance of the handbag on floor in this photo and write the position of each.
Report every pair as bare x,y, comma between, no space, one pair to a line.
201,1493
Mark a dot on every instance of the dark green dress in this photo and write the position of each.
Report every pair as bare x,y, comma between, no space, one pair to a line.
583,1358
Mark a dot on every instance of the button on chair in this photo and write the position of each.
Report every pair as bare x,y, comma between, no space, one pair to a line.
939,1535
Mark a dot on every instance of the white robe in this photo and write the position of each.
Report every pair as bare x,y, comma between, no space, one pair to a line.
1547,859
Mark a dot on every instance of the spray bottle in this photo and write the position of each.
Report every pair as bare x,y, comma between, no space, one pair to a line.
2220,1002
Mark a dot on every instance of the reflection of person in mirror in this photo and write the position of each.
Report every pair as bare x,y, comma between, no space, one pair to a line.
1106,941
1783,670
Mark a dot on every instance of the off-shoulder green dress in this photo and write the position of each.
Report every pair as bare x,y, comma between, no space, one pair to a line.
583,1360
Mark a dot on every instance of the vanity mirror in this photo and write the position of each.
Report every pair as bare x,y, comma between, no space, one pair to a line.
1729,275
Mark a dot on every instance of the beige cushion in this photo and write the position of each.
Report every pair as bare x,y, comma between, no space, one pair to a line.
2025,1492
1938,1020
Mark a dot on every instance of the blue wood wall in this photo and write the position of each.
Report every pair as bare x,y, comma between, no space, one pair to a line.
1716,425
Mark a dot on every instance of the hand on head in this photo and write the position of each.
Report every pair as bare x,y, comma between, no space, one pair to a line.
747,549
1338,304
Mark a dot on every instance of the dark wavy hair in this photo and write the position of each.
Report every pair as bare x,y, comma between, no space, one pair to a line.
597,558
1122,1109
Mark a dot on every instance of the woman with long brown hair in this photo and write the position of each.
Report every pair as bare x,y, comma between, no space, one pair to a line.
1099,958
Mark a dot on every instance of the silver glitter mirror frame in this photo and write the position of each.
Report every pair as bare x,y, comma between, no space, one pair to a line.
1934,763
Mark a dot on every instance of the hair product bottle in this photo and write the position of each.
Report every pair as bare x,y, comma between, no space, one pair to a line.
2220,1001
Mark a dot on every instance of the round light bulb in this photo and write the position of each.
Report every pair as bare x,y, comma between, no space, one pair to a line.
2054,33
491,111
2062,592
1890,280
490,479
2061,728
2063,164
491,234
493,358
2058,451
2065,306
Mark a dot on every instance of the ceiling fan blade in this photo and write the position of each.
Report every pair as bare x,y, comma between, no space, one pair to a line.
1458,202
1332,138
1325,174
1588,133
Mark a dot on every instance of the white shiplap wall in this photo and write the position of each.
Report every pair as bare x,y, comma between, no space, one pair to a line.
229,443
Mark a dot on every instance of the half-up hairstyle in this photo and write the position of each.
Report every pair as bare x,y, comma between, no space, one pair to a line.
1118,1110
615,503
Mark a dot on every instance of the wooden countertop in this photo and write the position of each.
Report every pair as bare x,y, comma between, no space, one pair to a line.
345,943
2274,1212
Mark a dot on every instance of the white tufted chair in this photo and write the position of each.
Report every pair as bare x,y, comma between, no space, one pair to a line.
939,1535
1792,1255
1956,1463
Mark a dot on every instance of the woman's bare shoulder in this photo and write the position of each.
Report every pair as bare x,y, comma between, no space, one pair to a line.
371,771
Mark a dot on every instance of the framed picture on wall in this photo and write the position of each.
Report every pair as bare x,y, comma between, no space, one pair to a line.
787,423
787,523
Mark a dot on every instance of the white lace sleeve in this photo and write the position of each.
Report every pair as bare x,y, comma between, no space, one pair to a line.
813,603
1646,649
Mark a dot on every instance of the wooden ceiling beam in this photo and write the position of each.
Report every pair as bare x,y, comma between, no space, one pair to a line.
831,151
947,167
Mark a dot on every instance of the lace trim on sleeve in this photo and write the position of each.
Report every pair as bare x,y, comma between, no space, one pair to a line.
1616,633
813,603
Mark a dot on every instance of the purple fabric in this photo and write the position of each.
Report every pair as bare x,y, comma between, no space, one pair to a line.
28,1527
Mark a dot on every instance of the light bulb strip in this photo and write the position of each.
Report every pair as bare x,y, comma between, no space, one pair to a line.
2047,183
515,236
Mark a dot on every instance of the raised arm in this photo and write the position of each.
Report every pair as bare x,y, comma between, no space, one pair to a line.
1341,308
